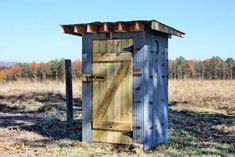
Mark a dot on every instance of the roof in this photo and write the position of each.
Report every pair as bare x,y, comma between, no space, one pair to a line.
119,26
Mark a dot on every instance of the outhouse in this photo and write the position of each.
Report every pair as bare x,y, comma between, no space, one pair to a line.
125,81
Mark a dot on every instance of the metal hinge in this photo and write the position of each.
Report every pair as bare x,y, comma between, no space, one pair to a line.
129,134
130,49
137,73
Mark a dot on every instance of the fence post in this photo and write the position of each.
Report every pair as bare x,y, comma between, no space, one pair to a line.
69,90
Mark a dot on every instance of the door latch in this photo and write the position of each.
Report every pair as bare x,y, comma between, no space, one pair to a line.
90,78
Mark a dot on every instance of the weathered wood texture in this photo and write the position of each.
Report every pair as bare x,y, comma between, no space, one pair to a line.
120,26
113,126
112,98
112,57
111,90
69,90
150,117
86,89
150,95
158,70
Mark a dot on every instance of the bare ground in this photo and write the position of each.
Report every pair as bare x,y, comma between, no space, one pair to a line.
201,123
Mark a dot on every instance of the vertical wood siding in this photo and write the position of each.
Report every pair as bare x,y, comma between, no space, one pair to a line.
160,84
150,91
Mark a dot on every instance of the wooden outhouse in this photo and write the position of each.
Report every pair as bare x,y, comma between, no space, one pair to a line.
125,81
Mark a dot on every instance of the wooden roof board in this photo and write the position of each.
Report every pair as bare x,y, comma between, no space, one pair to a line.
120,26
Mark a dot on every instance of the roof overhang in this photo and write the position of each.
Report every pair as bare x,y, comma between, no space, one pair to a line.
119,26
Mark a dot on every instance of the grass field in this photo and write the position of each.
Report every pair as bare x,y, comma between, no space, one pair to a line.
32,121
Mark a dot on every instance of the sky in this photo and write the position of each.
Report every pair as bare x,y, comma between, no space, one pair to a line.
30,29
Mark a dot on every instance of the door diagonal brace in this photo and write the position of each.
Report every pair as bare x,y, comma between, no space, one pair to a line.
109,95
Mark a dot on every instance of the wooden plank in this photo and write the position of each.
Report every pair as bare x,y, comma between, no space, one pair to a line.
110,112
138,107
99,89
103,46
87,93
110,46
96,98
80,30
166,29
113,126
96,46
123,93
117,137
130,89
121,27
124,44
69,30
148,97
130,98
117,46
112,57
91,29
111,91
102,91
69,90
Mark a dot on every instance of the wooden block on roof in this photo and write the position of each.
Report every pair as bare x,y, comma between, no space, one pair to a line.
67,30
91,29
106,28
121,27
137,27
80,30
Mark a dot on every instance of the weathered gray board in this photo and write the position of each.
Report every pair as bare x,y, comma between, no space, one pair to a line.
150,108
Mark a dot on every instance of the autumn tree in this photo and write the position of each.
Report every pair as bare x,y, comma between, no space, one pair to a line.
16,72
190,69
4,74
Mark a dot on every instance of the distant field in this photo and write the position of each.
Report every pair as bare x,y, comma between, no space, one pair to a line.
32,121
24,86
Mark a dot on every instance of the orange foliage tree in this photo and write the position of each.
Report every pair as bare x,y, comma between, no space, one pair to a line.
4,74
35,68
16,72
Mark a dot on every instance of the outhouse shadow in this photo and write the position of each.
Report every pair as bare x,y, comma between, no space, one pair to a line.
198,131
41,113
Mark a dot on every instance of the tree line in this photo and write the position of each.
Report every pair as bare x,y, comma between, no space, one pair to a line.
213,68
53,70
180,68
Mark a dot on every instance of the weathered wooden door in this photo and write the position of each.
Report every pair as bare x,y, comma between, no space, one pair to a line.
112,91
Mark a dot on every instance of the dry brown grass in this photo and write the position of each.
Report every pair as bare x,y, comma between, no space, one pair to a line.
20,86
201,120
213,96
